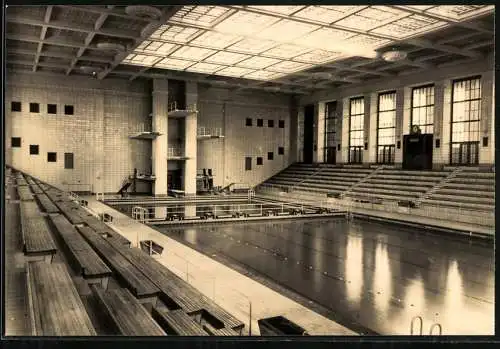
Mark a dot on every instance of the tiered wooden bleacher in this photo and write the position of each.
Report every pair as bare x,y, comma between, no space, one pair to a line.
47,205
178,323
37,239
97,253
178,294
126,273
55,307
82,257
469,189
125,313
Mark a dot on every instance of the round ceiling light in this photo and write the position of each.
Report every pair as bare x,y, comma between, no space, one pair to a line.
394,55
146,12
111,46
90,69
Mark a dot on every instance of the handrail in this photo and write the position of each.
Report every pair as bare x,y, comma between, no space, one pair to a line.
413,323
440,328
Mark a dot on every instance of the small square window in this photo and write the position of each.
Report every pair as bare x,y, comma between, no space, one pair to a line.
281,124
68,160
281,150
398,144
260,122
69,110
270,155
34,107
438,143
259,161
51,157
15,142
366,145
34,149
485,141
51,108
338,147
15,106
248,122
248,164
270,123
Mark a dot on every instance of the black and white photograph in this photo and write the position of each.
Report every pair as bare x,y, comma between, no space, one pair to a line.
249,171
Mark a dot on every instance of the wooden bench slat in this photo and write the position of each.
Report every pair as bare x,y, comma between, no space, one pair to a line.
58,309
37,237
181,292
127,314
88,262
178,322
137,283
47,204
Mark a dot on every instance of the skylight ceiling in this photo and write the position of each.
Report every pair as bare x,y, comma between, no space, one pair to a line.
268,42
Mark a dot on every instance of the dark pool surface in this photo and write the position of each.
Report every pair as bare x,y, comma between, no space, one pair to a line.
376,275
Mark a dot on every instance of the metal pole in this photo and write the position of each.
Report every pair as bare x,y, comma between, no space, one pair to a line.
250,319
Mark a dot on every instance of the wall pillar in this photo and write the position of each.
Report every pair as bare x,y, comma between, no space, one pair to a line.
160,144
190,141
319,120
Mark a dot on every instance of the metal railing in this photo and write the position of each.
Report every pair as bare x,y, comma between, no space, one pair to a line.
189,107
175,151
421,327
209,132
461,213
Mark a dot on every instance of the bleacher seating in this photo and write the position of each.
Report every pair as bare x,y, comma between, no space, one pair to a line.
397,185
125,313
97,253
55,308
177,322
469,189
82,257
37,240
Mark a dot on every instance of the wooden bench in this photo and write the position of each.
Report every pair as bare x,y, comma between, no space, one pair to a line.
37,240
177,292
222,332
83,258
140,286
25,194
105,231
29,209
47,204
125,313
21,182
177,322
70,210
30,181
55,307
173,296
36,189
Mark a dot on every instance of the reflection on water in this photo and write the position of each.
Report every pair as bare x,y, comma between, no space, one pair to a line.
354,268
382,279
377,276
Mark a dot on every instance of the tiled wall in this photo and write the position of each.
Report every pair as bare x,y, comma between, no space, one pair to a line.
442,79
226,156
105,113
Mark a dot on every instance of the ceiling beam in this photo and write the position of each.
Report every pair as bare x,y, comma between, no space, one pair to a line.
479,45
40,64
123,34
193,79
48,14
443,48
49,41
464,24
69,57
90,36
146,32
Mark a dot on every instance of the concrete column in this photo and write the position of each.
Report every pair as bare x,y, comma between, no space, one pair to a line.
400,126
485,153
372,148
366,133
343,155
190,141
160,144
293,150
190,210
160,212
446,124
319,156
437,153
99,169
